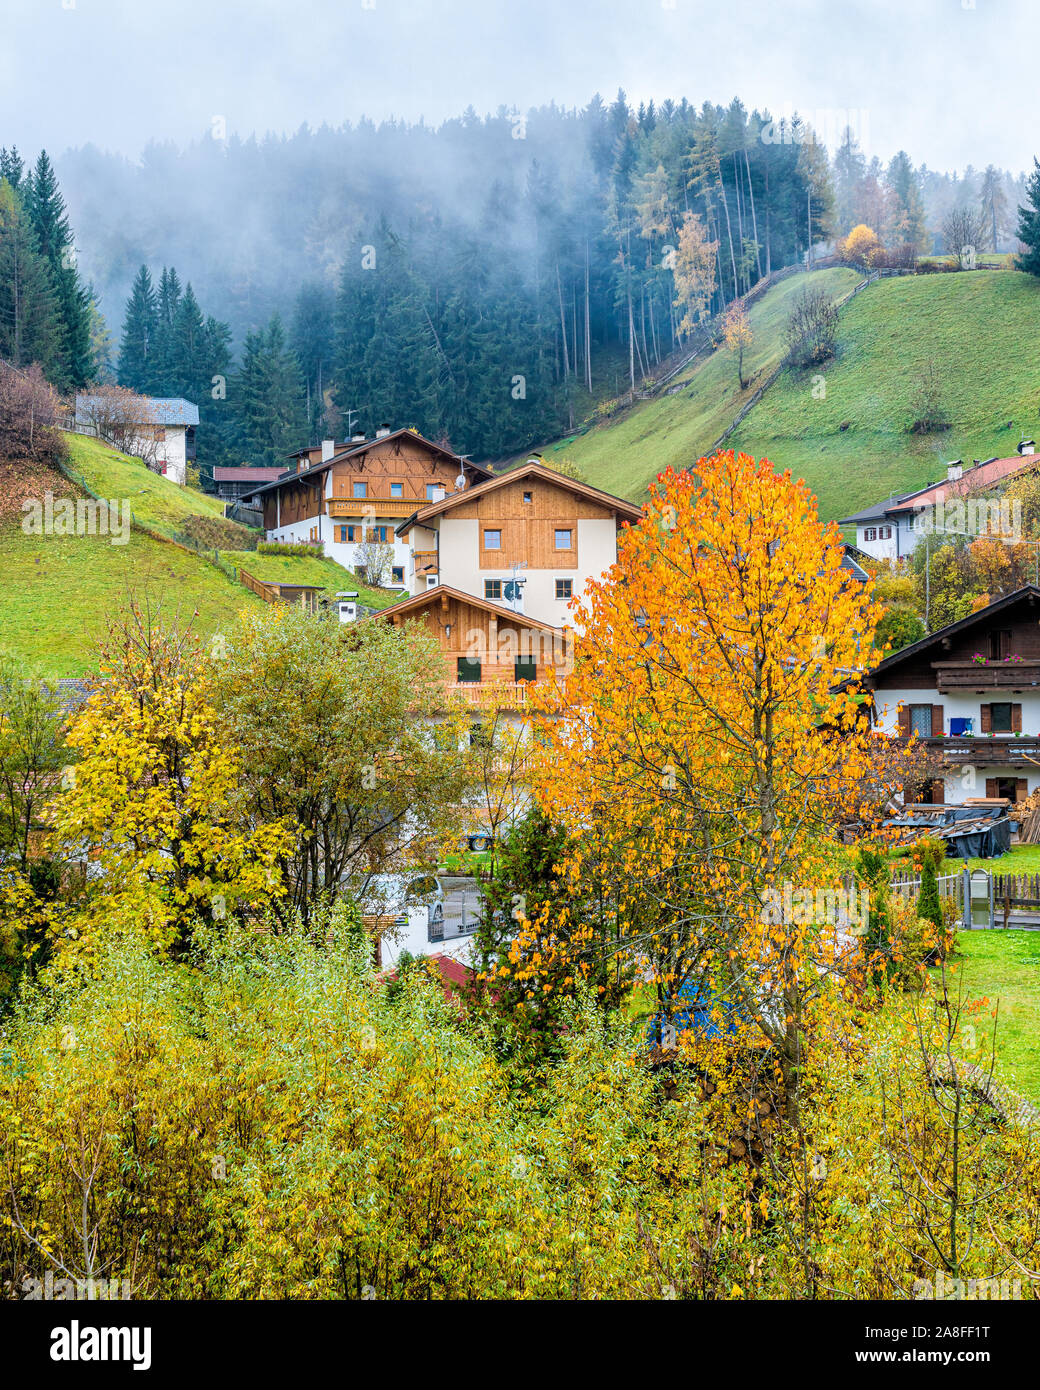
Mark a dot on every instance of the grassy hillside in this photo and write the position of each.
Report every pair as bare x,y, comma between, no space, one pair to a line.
308,569
155,501
59,591
979,328
625,454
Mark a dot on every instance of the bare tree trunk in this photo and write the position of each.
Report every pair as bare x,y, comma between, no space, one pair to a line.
754,219
588,329
563,326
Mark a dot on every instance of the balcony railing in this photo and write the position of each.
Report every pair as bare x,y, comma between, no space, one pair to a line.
490,694
367,506
990,675
425,562
984,748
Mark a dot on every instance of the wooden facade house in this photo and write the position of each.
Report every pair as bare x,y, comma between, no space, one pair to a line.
971,694
346,497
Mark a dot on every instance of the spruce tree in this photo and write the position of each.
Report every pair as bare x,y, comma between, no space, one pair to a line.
12,167
30,319
136,352
1029,224
50,222
269,398
159,378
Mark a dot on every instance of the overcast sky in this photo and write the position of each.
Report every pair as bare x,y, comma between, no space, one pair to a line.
952,81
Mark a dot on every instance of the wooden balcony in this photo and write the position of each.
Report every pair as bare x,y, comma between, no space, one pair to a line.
492,694
1004,750
994,675
360,507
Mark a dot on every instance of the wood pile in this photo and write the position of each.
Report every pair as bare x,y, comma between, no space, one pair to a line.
1027,813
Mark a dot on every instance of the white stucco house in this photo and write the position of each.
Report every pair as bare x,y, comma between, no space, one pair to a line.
160,430
894,528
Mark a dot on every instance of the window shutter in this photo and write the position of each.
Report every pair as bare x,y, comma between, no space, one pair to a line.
904,721
1016,719
991,786
1021,788
939,792
937,721
987,723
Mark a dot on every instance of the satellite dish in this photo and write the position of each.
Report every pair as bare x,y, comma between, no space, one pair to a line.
510,590
460,481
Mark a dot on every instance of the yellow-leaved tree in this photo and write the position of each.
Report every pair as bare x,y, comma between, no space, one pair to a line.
155,801
707,740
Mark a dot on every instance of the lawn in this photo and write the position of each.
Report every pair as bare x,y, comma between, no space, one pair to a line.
60,590
625,454
309,569
979,328
1004,967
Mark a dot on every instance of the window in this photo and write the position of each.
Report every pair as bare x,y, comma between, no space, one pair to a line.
999,645
1000,719
884,533
397,574
343,533
492,540
360,490
492,588
870,533
468,670
376,533
921,720
397,489
524,669
563,540
527,497
564,588
353,533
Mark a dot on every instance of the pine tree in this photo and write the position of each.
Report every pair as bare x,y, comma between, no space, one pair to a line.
12,167
1029,224
160,380
137,350
50,221
269,398
30,319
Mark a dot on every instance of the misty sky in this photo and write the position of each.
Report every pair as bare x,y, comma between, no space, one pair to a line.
952,81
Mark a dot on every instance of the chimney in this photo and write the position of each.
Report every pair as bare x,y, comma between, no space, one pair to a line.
357,438
954,471
1026,447
328,448
438,494
382,431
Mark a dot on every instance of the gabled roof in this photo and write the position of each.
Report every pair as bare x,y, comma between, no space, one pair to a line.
353,450
1030,592
985,474
162,410
418,602
515,475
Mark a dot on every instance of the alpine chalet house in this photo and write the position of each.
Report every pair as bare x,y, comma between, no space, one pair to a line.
892,529
342,497
527,540
971,692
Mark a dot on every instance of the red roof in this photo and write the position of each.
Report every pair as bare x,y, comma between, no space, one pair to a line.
983,475
454,975
246,475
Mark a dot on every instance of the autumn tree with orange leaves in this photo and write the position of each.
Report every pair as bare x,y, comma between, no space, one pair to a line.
712,735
